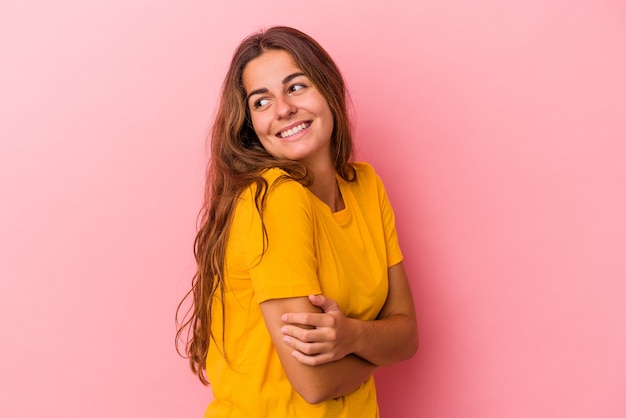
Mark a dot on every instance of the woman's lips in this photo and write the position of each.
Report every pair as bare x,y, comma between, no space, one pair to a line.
293,130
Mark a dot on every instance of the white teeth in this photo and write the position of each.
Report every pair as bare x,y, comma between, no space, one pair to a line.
294,130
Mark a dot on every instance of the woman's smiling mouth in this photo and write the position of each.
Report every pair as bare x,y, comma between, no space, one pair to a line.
292,131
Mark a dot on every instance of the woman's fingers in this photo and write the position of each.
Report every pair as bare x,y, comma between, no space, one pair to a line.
324,303
315,360
309,349
312,353
317,338
307,319
309,335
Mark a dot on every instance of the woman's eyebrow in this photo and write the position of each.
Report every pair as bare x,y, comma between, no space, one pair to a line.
291,77
257,91
264,90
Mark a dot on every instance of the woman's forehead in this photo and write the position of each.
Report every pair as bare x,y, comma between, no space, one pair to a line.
271,67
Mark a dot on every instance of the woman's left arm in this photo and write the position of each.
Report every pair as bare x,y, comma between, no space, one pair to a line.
329,336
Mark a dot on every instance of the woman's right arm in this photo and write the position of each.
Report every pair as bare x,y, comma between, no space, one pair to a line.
283,276
314,383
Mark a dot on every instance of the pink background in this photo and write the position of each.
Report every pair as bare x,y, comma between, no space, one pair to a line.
499,128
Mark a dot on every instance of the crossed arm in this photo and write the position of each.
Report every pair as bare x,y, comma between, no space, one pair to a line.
325,354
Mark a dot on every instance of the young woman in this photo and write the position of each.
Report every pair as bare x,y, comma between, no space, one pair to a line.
300,292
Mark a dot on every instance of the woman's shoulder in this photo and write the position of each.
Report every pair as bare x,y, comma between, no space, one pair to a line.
365,172
363,167
281,185
277,177
367,179
272,174
276,189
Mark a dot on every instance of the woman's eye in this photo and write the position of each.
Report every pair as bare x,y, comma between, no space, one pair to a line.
260,103
296,87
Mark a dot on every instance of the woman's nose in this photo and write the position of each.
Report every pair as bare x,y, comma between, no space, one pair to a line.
285,107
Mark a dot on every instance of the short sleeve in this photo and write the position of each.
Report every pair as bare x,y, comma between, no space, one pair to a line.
394,253
288,267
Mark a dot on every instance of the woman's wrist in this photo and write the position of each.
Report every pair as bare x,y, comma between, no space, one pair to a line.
360,336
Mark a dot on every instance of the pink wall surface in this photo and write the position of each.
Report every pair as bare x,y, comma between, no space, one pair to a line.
499,128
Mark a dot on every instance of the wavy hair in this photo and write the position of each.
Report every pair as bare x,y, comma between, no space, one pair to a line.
237,162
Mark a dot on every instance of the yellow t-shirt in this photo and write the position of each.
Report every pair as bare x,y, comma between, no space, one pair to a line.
343,255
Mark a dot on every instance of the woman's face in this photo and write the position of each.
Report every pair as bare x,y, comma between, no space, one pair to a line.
289,115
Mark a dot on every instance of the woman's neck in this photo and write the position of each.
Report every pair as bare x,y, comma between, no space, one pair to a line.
326,189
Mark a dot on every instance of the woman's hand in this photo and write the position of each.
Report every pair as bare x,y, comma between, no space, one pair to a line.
319,338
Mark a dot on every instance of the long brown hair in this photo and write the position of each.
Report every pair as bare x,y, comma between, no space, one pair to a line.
237,162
